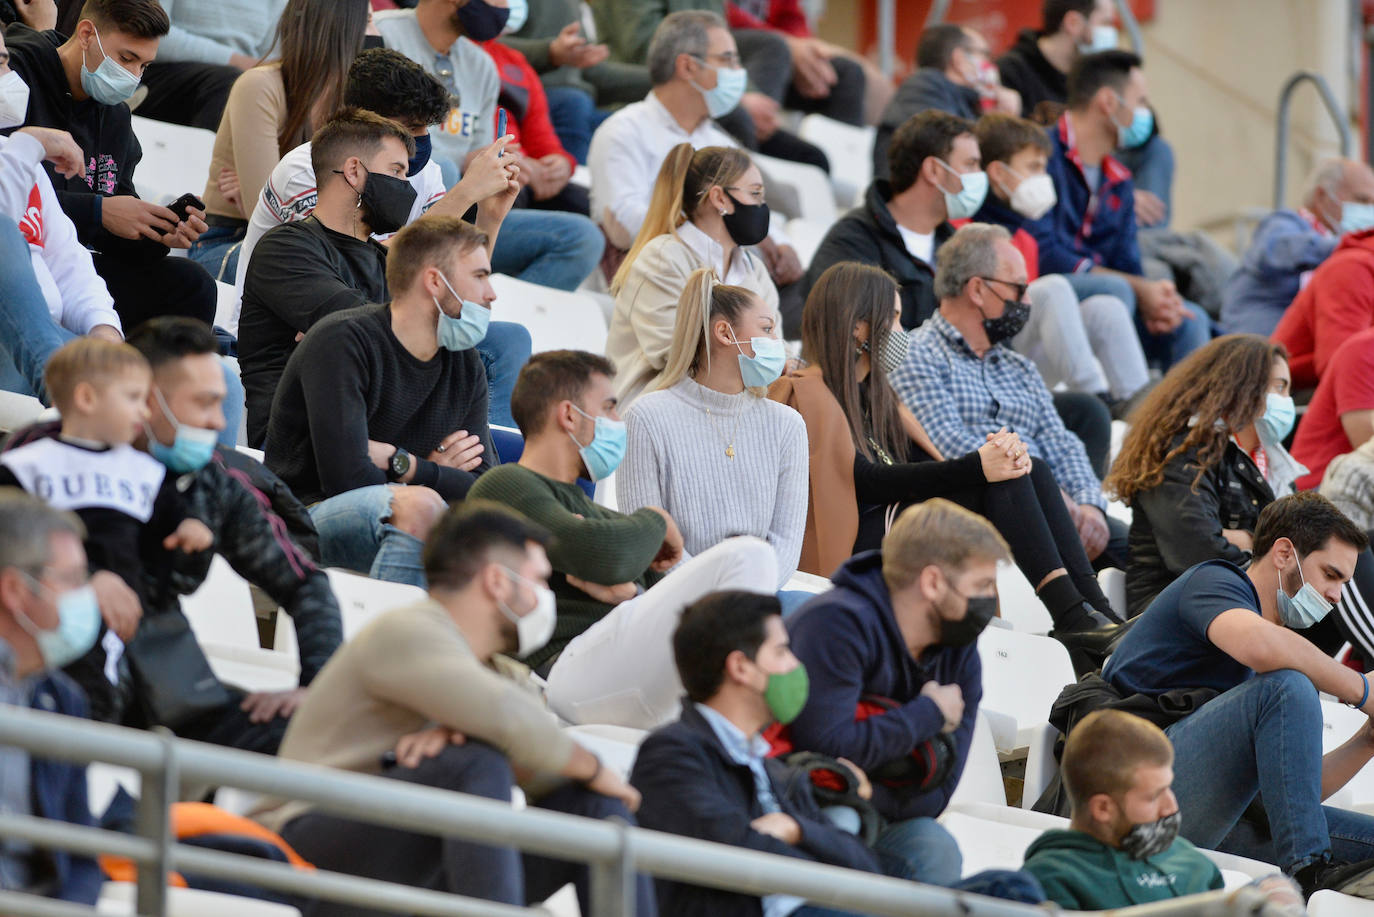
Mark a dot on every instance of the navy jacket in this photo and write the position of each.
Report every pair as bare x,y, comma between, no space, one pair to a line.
849,641
1086,229
692,787
58,789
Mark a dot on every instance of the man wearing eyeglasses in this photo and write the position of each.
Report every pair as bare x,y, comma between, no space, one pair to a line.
963,381
48,616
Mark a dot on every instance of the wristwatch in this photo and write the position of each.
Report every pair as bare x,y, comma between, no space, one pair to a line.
399,465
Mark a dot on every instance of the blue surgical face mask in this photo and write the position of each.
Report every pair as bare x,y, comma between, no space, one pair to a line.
421,157
1356,217
110,84
1277,420
969,198
467,330
1138,131
1305,609
78,624
519,12
603,454
192,448
763,368
1104,38
729,89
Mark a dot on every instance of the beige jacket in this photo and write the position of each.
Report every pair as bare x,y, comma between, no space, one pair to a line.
408,669
247,139
641,332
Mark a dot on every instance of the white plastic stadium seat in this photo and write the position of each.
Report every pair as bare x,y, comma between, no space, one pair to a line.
808,582
120,897
221,610
982,777
1326,903
1040,764
1022,676
556,320
616,746
1021,607
226,304
797,190
176,160
1113,583
806,236
18,411
361,598
850,151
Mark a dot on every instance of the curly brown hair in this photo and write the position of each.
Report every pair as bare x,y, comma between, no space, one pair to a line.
1218,389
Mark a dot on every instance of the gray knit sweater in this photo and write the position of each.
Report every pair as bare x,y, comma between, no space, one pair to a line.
676,460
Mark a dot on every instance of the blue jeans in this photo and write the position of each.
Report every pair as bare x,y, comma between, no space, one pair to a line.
355,535
217,250
28,334
575,118
233,407
1161,350
504,350
549,248
1265,737
1152,170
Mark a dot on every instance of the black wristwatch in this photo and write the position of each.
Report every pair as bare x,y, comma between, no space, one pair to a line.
399,465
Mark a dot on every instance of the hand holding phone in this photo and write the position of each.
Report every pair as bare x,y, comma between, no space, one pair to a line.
182,205
500,126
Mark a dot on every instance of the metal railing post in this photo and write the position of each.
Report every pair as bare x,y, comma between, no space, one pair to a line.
160,790
612,881
1285,97
1130,26
887,36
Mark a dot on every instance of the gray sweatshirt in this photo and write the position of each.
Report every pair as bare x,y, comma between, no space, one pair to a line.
676,459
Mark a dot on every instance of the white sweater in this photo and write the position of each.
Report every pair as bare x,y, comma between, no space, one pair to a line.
76,296
676,460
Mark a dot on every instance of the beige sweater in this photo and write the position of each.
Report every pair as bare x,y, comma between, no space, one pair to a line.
408,669
247,139
641,333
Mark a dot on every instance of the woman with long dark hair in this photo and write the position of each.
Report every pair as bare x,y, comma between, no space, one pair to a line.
870,458
272,109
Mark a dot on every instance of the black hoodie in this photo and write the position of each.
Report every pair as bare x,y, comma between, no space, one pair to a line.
1026,70
104,133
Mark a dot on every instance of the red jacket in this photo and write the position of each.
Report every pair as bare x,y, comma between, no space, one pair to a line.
783,16
1336,303
522,95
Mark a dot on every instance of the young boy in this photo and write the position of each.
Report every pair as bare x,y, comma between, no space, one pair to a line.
1067,338
129,504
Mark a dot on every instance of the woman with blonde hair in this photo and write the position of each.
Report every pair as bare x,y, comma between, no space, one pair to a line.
705,443
870,457
706,211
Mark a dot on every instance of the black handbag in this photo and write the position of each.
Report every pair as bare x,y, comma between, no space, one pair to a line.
173,680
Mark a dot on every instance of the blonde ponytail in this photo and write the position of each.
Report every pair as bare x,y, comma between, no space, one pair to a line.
691,329
666,212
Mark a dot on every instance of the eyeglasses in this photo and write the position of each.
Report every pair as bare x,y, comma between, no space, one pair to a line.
728,58
1020,288
757,194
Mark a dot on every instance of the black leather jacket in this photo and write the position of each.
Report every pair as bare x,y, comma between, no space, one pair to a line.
1174,527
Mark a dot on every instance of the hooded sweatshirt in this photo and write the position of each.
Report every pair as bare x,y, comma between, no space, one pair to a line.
851,645
1080,873
104,133
1025,69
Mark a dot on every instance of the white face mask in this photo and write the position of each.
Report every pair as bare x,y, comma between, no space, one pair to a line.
14,100
1034,196
535,627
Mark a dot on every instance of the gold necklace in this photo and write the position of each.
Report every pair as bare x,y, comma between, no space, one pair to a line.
729,443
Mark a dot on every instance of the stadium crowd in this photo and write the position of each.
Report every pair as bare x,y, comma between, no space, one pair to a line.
634,538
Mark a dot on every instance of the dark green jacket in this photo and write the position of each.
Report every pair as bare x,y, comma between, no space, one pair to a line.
627,25
1080,873
610,83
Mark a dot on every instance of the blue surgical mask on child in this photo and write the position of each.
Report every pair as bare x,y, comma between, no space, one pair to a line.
603,454
110,83
468,329
969,198
78,624
765,366
192,448
1305,609
1277,420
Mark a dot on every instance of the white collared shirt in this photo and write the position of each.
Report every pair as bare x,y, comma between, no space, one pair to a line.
713,253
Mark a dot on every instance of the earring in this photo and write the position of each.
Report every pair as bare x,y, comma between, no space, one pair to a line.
722,211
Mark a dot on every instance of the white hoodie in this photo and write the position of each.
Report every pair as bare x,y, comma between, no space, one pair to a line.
75,293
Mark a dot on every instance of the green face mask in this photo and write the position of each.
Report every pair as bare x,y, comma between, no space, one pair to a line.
786,694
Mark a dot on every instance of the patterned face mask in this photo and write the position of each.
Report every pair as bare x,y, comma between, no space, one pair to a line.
1151,838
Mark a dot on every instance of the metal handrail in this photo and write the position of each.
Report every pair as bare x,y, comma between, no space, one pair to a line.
613,851
1332,108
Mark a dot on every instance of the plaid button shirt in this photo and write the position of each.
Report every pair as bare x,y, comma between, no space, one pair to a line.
960,398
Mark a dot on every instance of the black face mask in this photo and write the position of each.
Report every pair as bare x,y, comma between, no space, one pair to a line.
748,225
978,611
386,202
1151,838
373,41
1009,324
481,21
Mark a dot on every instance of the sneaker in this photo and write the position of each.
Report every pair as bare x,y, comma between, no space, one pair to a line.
1356,879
